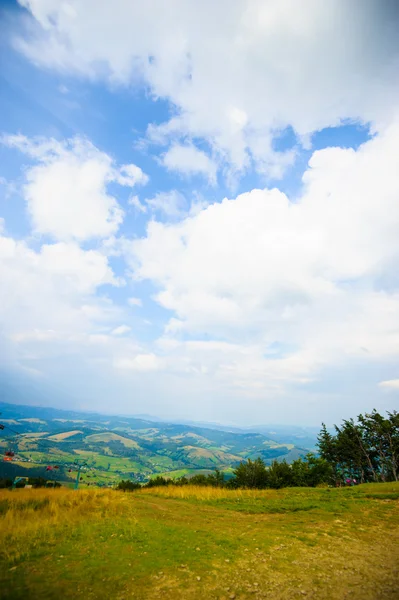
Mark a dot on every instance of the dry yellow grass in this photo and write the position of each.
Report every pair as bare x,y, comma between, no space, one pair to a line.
38,514
196,543
59,437
201,492
109,437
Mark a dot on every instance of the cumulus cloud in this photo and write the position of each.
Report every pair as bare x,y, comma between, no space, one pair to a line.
134,301
130,175
188,160
172,203
121,330
265,296
66,191
264,66
52,292
56,316
141,362
137,205
390,384
260,270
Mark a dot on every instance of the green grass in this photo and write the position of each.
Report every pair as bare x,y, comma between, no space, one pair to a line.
115,462
201,543
175,474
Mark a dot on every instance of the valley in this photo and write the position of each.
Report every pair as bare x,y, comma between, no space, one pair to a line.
115,448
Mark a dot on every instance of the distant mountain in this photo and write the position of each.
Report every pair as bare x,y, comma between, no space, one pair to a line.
287,434
116,447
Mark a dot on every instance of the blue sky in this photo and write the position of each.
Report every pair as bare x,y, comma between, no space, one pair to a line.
199,207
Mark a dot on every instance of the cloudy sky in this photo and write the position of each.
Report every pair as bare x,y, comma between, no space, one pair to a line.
199,206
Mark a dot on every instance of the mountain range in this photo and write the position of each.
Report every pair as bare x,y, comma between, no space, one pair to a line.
117,447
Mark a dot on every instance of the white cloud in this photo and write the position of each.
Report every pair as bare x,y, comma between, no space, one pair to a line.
135,202
9,188
66,192
56,316
264,66
121,330
141,362
390,384
130,175
52,290
188,160
135,301
267,297
172,203
316,277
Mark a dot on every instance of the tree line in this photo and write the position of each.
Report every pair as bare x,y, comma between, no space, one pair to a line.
366,450
358,451
35,482
309,471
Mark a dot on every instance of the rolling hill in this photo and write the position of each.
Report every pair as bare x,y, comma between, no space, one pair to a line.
124,447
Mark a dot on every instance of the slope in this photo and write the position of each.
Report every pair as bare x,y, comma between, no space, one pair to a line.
215,544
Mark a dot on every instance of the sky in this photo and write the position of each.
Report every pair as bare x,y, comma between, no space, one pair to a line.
199,207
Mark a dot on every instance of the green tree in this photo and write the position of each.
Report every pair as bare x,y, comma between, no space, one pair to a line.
382,437
327,446
128,486
219,478
352,452
158,481
200,479
250,474
392,436
279,475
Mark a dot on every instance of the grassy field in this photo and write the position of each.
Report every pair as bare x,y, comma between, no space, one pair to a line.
201,543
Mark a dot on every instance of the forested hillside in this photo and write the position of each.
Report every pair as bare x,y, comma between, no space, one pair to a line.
123,447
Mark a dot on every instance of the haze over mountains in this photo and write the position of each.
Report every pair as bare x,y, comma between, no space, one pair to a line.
118,447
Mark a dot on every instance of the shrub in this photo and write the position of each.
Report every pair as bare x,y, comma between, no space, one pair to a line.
158,481
250,474
128,486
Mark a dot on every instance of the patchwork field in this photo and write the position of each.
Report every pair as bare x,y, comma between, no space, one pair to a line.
200,543
124,447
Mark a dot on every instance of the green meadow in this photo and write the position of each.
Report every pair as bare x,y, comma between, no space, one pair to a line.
201,542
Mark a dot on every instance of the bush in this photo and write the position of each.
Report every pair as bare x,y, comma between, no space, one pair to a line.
279,475
5,483
215,479
250,474
128,486
157,482
311,472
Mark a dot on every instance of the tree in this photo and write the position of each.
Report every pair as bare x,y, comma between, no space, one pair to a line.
199,479
367,450
313,470
382,436
372,426
158,481
392,436
353,453
327,445
218,477
214,479
251,474
128,486
279,475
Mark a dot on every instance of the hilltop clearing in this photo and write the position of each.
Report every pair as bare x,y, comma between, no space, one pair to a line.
196,543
